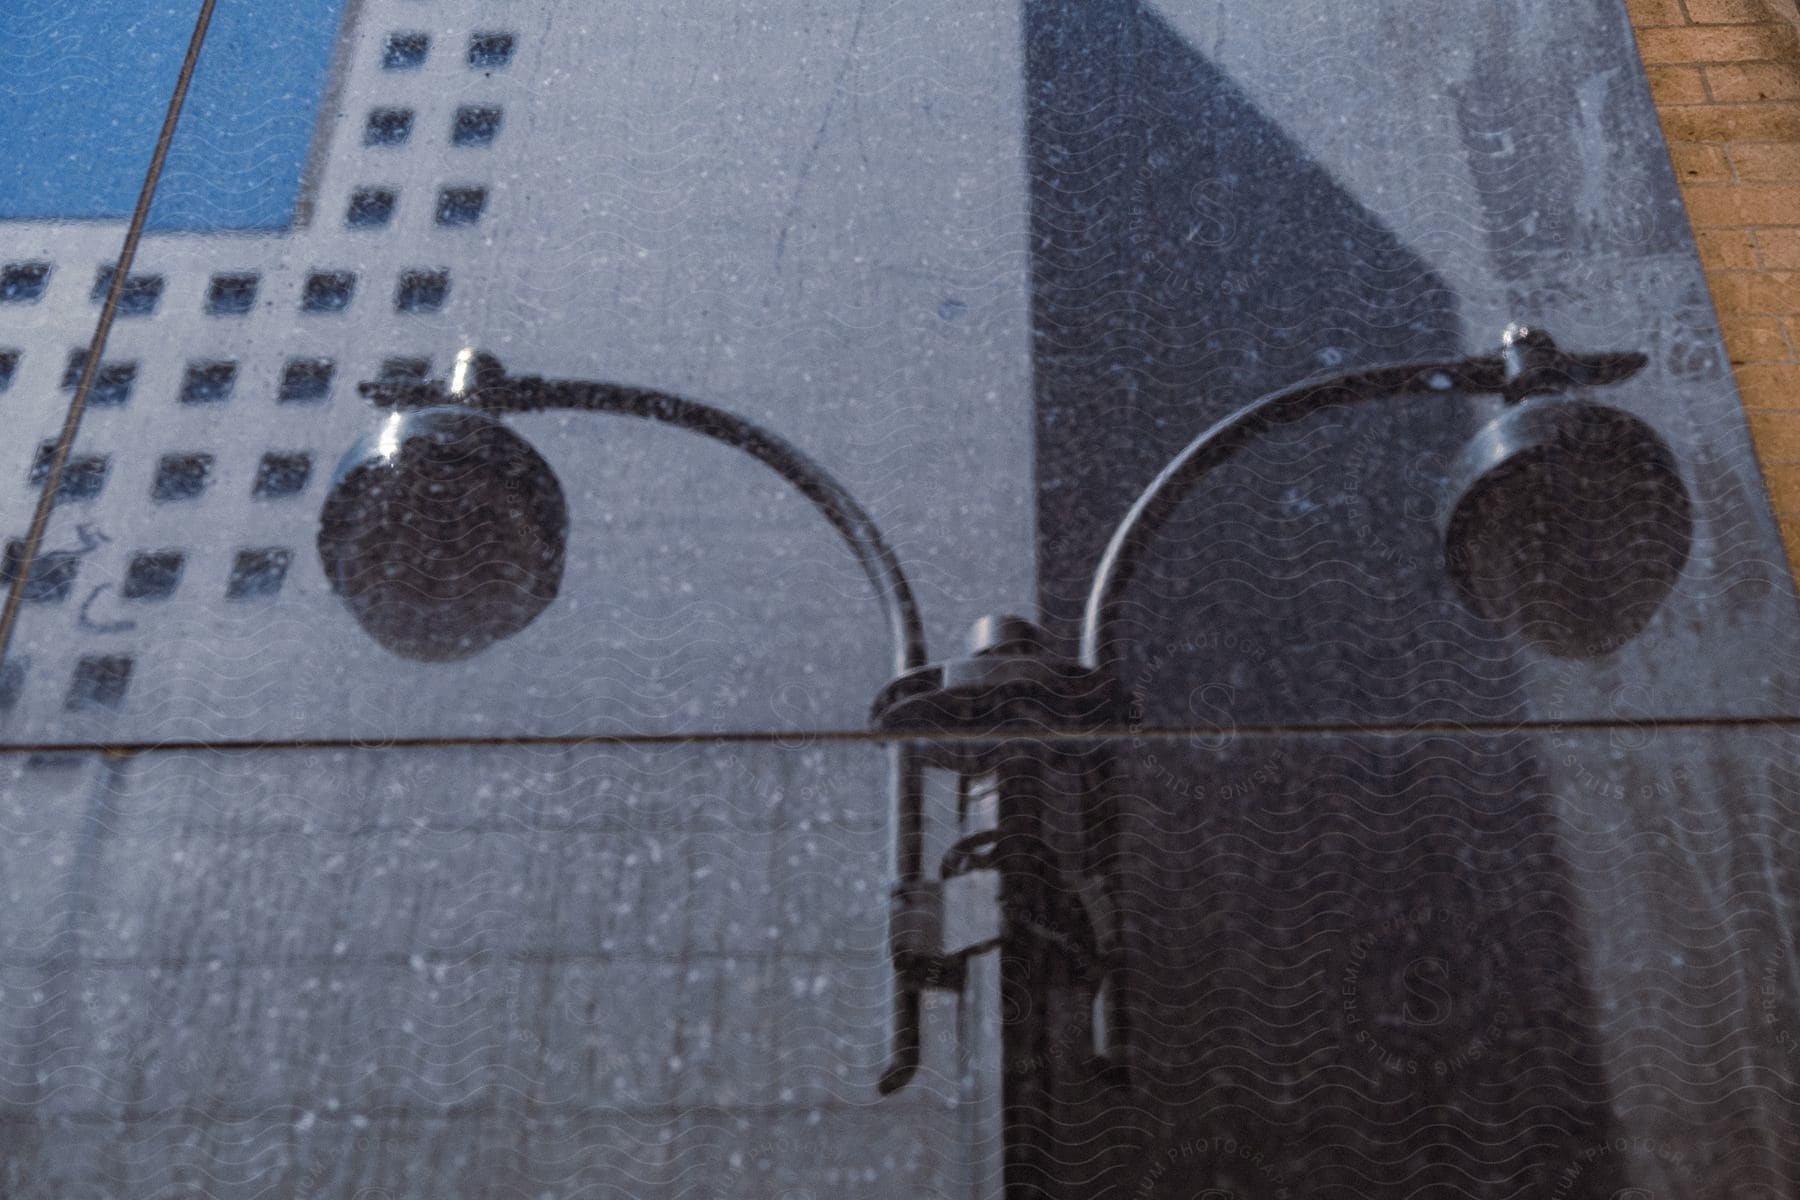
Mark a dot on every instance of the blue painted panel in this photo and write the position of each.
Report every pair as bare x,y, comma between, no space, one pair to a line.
88,84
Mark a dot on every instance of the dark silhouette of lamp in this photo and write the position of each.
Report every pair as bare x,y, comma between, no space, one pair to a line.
443,531
1568,523
1567,520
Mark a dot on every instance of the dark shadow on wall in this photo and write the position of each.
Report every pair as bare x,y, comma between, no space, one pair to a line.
1188,255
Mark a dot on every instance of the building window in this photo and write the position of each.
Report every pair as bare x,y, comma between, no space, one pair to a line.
181,476
388,127
421,291
305,380
475,125
83,475
279,476
24,282
99,682
208,382
404,370
231,295
258,574
138,298
461,205
490,50
52,575
112,382
370,208
153,575
328,292
405,51
72,368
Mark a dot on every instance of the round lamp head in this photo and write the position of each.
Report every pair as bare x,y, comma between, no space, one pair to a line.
443,532
1569,524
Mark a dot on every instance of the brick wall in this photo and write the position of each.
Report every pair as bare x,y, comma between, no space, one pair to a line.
1726,77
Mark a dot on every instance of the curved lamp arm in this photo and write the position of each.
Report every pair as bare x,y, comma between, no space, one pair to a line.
479,381
1529,364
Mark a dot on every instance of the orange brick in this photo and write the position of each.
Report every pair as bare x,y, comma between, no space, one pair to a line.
1776,434
1778,249
1793,332
1784,492
1727,249
1776,291
1655,12
1678,85
1733,82
1750,292
1768,162
1765,121
1769,385
1719,43
1756,339
1695,163
1742,204
1736,12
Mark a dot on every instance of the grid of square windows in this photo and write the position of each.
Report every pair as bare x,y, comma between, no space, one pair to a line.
102,681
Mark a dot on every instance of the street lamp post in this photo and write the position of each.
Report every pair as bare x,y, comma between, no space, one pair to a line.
1568,523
